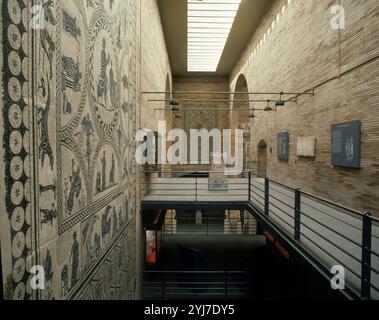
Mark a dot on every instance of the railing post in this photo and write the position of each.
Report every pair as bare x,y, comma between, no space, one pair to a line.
163,285
249,186
196,190
267,196
297,214
366,256
226,284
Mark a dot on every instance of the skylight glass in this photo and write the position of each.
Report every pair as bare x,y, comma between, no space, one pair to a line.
209,25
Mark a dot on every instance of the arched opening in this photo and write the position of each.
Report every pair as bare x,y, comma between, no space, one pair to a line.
241,102
168,111
262,158
168,117
240,116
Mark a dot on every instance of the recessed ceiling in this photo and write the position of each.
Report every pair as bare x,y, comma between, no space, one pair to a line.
208,27
179,29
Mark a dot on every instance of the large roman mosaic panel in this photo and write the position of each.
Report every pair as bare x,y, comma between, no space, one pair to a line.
69,115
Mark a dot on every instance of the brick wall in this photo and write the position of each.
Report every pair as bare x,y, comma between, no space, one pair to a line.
194,119
301,51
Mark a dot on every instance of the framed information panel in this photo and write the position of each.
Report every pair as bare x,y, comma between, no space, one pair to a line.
346,144
283,146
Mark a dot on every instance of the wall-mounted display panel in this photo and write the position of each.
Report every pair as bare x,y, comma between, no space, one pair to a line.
346,144
283,146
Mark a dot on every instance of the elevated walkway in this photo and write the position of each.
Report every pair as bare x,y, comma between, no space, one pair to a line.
323,233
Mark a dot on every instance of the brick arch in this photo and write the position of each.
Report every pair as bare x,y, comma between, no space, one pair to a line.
240,109
262,158
240,116
168,112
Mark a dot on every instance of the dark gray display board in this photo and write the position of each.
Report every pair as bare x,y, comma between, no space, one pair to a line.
283,146
346,144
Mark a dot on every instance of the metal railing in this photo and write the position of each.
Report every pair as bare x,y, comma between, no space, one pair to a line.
332,233
193,186
198,284
209,226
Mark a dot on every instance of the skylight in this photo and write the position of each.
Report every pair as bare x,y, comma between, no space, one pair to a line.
209,25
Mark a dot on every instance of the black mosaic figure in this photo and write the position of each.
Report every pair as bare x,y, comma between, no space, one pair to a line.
112,88
103,173
64,281
87,237
106,223
125,105
66,105
115,222
48,216
48,267
47,188
98,182
96,245
88,131
76,187
111,2
71,27
125,169
71,74
47,42
112,172
102,86
43,120
74,258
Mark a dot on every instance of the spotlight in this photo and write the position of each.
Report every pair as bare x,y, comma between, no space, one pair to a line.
268,108
280,102
174,105
251,115
174,102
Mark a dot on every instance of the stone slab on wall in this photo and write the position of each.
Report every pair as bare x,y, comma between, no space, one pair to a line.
306,147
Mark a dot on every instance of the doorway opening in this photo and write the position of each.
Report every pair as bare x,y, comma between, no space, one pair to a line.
262,158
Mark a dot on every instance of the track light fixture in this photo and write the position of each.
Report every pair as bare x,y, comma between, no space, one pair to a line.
174,105
268,108
280,102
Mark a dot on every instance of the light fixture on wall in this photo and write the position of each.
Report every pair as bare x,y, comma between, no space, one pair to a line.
280,102
252,115
174,105
268,108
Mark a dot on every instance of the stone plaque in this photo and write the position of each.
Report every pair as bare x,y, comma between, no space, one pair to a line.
306,147
217,179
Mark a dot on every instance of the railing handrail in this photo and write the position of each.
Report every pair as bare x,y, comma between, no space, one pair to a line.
193,171
196,272
308,194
